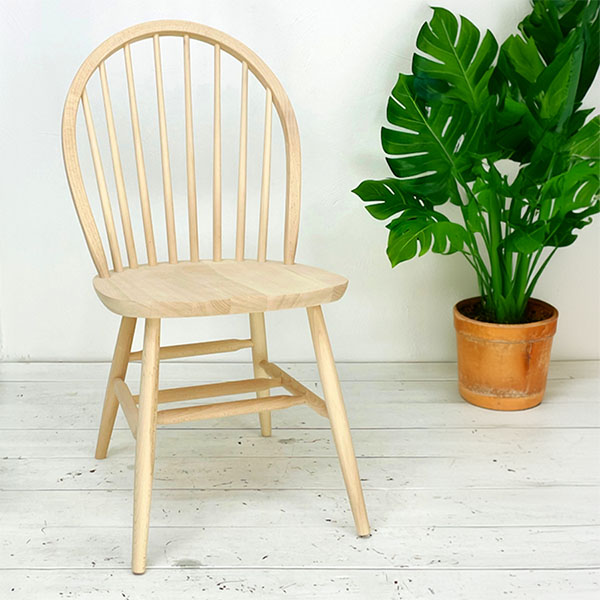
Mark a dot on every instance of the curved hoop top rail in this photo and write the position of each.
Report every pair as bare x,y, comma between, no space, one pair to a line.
77,94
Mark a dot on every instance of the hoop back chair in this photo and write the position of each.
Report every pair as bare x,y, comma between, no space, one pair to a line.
193,286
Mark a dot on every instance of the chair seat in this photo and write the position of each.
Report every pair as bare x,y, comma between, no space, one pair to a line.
191,289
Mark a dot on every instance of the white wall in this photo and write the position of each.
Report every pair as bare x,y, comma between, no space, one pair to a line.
338,60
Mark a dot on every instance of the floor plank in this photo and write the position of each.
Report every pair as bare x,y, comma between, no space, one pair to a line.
576,547
324,584
465,503
551,443
560,506
296,473
192,370
60,405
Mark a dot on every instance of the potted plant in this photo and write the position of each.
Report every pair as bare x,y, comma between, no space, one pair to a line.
497,138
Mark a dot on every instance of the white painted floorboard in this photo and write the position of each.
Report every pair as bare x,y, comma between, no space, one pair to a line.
465,503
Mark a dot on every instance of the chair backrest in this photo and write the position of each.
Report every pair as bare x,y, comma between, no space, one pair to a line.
78,98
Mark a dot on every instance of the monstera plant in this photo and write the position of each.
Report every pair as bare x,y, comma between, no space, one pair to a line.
497,137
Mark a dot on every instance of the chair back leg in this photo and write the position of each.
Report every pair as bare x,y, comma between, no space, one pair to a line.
259,354
118,370
332,393
145,444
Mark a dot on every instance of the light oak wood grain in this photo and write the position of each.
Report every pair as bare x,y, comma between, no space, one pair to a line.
258,335
130,409
265,185
227,409
189,153
194,287
109,222
217,182
145,445
294,386
205,288
73,166
118,370
197,349
164,154
118,170
240,239
221,43
338,418
213,390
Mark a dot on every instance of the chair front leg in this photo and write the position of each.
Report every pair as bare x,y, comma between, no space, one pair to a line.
145,441
338,418
118,370
259,353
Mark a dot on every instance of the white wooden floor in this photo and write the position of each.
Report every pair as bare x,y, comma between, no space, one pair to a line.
464,502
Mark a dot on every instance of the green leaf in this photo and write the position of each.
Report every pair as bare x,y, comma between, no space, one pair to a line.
563,228
589,23
415,233
386,196
429,143
556,87
526,239
456,57
543,25
574,189
522,61
586,142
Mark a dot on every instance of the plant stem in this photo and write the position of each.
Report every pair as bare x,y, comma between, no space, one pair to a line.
494,253
539,272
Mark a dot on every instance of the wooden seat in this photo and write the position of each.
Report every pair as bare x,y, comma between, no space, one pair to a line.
154,287
193,289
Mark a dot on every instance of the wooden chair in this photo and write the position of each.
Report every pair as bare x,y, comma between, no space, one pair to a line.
198,287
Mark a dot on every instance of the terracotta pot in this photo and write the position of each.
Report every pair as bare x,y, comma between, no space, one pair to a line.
503,367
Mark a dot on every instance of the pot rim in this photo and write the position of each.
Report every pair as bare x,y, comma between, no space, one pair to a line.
459,316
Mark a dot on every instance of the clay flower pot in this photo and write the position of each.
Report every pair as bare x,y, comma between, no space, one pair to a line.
504,367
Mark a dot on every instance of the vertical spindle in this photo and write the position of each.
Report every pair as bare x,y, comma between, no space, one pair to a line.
242,169
118,171
217,158
139,161
102,189
164,155
189,153
265,180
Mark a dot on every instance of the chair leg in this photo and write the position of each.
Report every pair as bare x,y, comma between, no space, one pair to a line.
338,418
144,448
118,369
259,353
